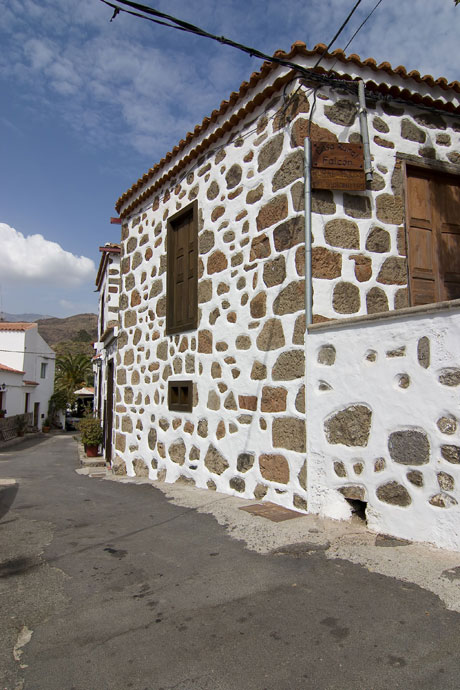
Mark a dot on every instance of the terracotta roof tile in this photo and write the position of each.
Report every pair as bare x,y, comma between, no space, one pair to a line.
16,326
4,367
298,49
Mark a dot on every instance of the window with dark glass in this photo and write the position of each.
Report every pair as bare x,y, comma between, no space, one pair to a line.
182,271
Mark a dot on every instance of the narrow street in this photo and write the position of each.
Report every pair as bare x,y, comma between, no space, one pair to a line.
110,585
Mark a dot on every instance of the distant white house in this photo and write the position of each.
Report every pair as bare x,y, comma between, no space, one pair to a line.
26,371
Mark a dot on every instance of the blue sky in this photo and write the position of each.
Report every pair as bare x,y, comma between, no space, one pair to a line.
88,106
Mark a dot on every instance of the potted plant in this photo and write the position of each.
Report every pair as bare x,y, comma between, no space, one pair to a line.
91,435
46,426
2,414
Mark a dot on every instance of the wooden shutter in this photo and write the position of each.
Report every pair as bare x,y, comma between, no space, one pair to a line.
182,279
433,218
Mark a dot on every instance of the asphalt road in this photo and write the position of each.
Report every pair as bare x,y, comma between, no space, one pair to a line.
105,585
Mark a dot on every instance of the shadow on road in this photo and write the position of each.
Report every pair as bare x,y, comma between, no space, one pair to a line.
7,496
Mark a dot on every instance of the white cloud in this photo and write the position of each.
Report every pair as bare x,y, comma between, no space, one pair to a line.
33,259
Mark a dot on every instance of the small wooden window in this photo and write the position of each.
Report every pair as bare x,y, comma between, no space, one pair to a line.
182,271
43,370
180,396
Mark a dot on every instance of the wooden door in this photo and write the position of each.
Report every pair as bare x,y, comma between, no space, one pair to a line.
108,416
433,219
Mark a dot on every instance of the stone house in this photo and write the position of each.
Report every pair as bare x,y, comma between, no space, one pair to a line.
104,360
215,362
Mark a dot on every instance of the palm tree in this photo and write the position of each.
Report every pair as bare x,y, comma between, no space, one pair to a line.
72,372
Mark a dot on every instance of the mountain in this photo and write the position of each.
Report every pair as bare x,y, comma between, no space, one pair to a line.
14,318
72,334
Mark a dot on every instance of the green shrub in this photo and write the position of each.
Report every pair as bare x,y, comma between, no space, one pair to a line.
90,430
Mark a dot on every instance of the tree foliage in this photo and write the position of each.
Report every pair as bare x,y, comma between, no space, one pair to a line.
72,372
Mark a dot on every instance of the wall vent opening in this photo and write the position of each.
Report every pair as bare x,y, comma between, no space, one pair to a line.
358,509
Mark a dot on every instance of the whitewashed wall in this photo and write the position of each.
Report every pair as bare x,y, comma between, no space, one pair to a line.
384,422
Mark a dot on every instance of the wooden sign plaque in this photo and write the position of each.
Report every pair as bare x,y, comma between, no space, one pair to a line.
337,166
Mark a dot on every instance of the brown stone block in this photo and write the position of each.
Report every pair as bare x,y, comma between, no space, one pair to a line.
258,305
215,461
273,212
363,267
290,299
274,468
357,205
384,143
260,248
255,194
346,298
394,494
258,371
290,365
411,132
298,336
343,112
376,301
350,426
270,152
217,213
206,241
289,433
290,170
120,442
298,103
325,263
341,232
275,271
302,128
205,342
217,262
289,234
378,240
247,402
220,431
271,336
389,209
273,399
393,271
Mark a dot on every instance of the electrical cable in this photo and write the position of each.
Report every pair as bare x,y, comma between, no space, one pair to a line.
337,34
357,31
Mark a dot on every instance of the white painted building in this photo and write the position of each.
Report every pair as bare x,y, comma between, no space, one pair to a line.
213,355
104,361
26,371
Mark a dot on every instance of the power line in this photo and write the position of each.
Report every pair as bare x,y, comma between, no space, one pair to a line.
153,15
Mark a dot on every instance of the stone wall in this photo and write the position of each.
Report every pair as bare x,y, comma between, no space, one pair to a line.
246,434
383,423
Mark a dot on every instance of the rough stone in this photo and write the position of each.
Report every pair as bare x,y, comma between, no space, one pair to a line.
326,355
346,298
384,143
446,481
177,452
140,468
393,271
341,232
326,264
291,170
230,402
401,298
152,439
423,352
237,484
243,342
300,400
272,212
298,103
378,240
204,291
217,262
363,267
291,299
244,462
255,195
247,402
376,301
119,467
258,305
271,336
389,209
288,234
451,454
217,213
394,494
430,120
274,468
258,371
302,128
454,157
443,501
213,400
205,242
409,447
202,428
300,503
220,431
260,247
289,365
353,492
357,206
233,176
274,271
411,132
449,377
273,399
260,491
212,191
298,336
289,433
379,464
270,152
214,461
447,425
205,342
350,426
343,113
380,125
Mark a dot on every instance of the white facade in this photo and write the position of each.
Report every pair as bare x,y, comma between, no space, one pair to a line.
23,349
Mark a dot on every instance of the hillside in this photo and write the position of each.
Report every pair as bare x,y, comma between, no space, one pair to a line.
70,335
